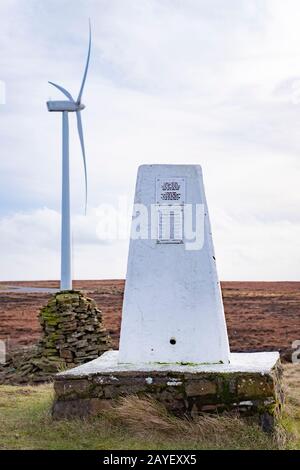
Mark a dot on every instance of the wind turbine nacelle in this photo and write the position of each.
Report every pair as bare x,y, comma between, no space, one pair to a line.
60,106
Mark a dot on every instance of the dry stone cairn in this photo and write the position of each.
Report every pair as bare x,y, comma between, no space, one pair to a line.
72,329
72,334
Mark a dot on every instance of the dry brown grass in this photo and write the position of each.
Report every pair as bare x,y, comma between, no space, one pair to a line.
146,417
291,419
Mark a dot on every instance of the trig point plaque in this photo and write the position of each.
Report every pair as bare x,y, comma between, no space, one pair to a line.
172,311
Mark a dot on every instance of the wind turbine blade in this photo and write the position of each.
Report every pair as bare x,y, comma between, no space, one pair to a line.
65,92
80,132
86,65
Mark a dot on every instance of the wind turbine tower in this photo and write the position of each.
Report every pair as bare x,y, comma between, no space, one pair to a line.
65,107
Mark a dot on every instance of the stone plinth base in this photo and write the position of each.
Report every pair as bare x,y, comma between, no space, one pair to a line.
251,384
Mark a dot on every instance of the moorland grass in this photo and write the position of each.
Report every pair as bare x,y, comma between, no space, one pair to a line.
26,423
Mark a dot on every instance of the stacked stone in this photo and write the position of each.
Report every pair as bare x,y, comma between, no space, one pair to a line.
72,329
72,334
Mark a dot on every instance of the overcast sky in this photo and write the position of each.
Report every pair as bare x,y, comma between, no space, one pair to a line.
210,82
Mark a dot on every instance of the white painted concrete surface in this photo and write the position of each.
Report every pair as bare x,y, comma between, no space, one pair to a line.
262,362
172,293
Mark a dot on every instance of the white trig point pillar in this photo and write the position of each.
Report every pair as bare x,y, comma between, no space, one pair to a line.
173,344
172,310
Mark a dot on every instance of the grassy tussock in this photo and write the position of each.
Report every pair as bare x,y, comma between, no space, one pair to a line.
145,416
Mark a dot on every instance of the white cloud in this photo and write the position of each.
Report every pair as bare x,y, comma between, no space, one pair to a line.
32,242
173,81
257,249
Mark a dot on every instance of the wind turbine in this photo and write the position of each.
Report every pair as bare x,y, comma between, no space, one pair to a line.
65,107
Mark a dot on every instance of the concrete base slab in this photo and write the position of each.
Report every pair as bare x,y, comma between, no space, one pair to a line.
251,384
239,362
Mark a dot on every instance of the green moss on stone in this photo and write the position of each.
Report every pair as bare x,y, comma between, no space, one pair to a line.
225,393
